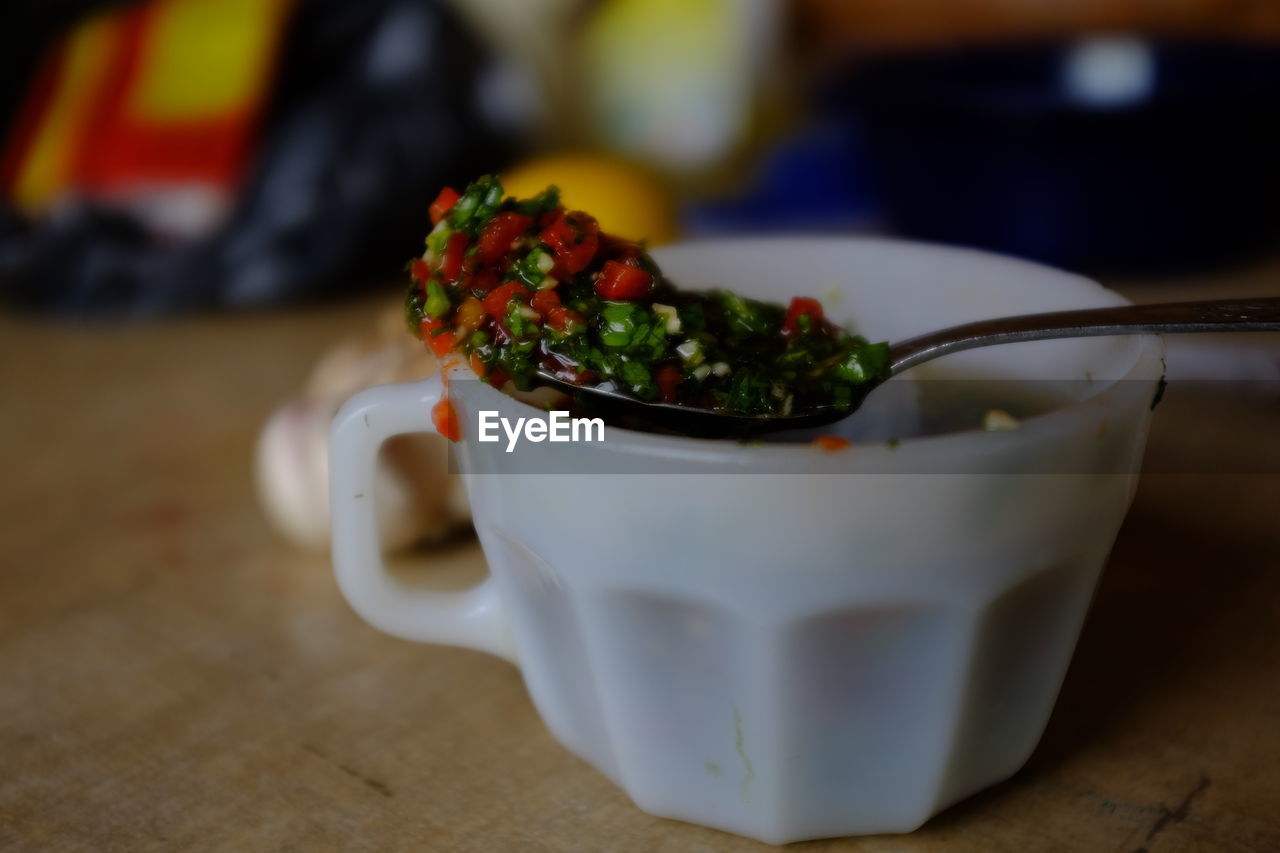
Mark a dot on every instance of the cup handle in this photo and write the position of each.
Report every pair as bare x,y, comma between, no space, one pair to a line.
472,618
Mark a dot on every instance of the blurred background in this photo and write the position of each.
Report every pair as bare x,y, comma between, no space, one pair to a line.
173,160
175,155
205,211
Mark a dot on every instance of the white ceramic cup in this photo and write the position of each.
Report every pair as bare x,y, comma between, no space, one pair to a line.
775,640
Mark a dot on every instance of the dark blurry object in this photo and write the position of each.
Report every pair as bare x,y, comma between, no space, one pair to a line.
812,179
373,106
838,25
27,28
1111,154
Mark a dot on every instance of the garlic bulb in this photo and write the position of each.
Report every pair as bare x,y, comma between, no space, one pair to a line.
418,499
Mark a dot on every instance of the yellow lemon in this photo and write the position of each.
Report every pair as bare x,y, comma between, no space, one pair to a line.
626,199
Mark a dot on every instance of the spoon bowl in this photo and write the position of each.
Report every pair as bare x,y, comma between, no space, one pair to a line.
1222,315
627,410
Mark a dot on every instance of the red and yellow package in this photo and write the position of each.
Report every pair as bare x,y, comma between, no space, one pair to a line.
159,98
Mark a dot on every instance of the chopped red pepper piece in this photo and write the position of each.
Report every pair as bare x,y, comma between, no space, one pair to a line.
562,319
482,282
621,282
498,299
573,238
443,204
501,232
446,420
544,301
441,343
801,306
831,443
668,378
419,271
451,265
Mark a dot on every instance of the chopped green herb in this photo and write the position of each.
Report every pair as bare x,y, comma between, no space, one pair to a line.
437,305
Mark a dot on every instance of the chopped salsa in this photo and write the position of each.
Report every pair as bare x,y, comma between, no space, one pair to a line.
521,285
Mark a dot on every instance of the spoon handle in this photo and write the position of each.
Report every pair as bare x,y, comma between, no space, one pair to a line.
1220,315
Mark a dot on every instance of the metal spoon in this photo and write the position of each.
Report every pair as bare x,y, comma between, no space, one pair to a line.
1225,315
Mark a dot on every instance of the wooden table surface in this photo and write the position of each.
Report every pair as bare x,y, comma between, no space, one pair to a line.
174,677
